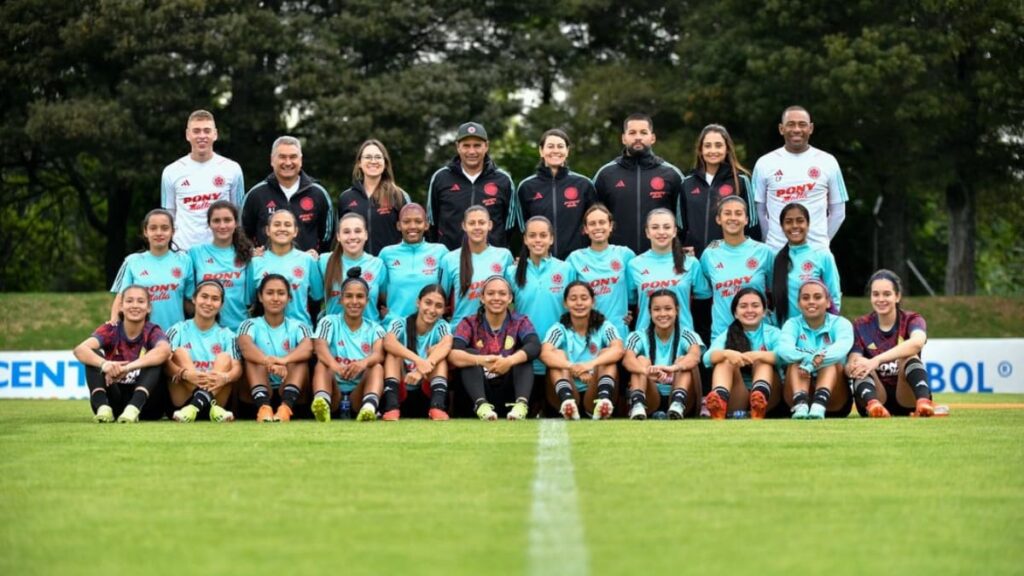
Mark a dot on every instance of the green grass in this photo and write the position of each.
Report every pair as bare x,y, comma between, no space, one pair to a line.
941,496
61,321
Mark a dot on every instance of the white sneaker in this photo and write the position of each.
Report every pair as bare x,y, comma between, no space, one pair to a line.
638,412
675,410
129,416
603,409
568,410
104,414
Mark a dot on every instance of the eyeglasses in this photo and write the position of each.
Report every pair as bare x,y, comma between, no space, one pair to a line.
373,157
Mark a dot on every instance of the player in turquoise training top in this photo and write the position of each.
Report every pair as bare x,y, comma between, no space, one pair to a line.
282,257
464,271
411,265
225,260
538,282
581,352
161,269
815,345
205,361
733,263
416,368
799,261
603,266
123,363
666,266
745,375
662,361
349,252
276,350
350,354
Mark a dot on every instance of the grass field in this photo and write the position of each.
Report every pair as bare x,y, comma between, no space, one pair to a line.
60,321
904,496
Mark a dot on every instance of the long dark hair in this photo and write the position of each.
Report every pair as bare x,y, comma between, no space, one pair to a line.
524,254
410,320
730,155
466,256
783,264
387,195
219,286
678,256
145,222
652,344
335,268
241,243
596,318
736,338
257,310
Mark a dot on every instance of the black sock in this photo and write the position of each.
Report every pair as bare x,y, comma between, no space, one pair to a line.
762,387
605,387
799,398
323,394
563,388
918,379
98,398
290,395
439,392
390,394
864,391
260,395
678,395
722,392
139,398
522,400
637,397
822,396
201,399
371,399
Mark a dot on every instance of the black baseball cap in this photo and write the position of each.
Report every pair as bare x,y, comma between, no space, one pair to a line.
471,129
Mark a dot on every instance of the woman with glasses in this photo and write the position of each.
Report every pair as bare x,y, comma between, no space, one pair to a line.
375,196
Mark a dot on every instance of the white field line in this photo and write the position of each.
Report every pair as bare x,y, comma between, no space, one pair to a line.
557,546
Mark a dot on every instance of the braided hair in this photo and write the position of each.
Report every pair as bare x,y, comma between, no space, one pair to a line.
783,264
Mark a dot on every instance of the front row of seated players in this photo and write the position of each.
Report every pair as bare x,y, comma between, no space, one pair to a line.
492,350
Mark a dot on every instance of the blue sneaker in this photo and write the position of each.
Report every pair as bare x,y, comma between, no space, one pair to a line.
800,412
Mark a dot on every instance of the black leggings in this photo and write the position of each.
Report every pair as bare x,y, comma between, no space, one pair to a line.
118,395
516,383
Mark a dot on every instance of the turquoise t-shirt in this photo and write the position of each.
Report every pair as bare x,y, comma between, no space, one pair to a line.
651,271
374,273
347,345
606,273
203,346
169,279
277,341
729,269
541,298
491,261
212,262
410,267
303,276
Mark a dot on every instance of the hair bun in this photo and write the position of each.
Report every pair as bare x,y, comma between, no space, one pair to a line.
354,272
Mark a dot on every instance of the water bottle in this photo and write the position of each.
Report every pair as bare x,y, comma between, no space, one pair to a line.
739,415
346,407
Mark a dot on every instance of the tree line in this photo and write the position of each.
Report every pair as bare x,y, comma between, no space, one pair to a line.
922,102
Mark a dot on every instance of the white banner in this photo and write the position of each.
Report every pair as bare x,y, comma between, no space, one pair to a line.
954,365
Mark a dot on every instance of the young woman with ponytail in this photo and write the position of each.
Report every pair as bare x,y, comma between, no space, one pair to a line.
463,271
665,266
226,260
538,283
745,376
798,262
885,365
604,267
416,367
581,352
662,360
348,253
161,268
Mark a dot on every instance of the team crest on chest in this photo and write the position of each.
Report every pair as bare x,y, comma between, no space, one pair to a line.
616,265
298,272
814,172
725,190
365,348
306,203
216,349
176,272
496,268
808,267
219,181
752,263
491,189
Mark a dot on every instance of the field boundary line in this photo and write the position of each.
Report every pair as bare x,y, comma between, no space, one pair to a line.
556,541
987,406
